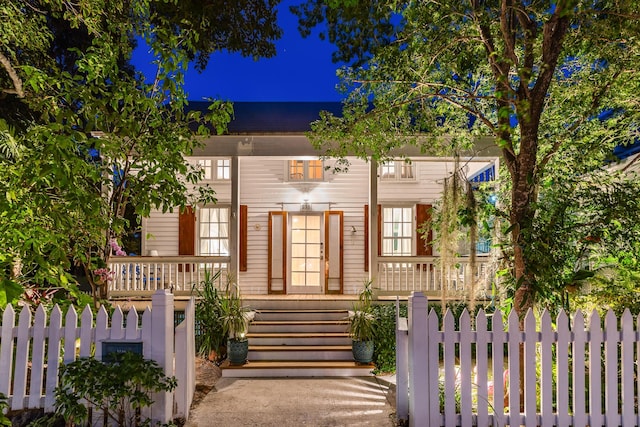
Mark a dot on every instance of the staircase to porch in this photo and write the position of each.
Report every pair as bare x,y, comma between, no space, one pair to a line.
299,337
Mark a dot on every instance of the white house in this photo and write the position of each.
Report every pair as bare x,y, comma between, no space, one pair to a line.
285,223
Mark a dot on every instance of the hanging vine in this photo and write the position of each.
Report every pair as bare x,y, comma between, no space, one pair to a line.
457,215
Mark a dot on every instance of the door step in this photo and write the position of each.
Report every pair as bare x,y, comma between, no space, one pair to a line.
293,340
297,368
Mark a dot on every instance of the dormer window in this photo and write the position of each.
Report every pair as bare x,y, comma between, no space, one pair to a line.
305,170
215,169
397,170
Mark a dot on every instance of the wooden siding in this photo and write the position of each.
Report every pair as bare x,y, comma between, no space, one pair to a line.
343,192
264,187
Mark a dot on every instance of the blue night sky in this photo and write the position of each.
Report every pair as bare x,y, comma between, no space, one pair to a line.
301,70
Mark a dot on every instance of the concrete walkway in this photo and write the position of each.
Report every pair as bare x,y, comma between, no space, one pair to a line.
359,401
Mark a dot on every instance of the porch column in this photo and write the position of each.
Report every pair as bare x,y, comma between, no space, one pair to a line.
373,220
234,222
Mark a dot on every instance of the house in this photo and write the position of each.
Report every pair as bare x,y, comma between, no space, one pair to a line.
285,224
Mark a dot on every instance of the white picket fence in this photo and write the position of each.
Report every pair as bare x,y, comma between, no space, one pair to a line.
31,352
576,374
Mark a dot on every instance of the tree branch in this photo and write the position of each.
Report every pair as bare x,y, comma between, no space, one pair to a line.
13,75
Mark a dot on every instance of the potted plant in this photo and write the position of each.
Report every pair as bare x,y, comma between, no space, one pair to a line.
362,326
211,337
235,323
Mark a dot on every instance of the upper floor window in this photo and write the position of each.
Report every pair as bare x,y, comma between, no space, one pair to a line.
216,169
397,231
397,170
305,170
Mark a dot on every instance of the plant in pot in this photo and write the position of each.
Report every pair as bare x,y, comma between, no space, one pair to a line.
211,338
362,326
235,322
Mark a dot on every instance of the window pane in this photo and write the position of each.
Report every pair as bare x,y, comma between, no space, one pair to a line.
315,170
313,236
407,215
407,171
313,221
296,170
313,279
297,236
298,250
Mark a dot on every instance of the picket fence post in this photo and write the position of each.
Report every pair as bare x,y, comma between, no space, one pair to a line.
418,361
161,350
402,366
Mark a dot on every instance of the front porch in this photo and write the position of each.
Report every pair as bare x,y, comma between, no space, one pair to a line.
139,277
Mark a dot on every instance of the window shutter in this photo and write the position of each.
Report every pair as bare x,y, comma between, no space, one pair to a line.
424,247
334,244
186,234
242,262
277,253
366,235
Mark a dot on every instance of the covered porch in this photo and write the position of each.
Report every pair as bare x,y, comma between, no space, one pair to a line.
141,276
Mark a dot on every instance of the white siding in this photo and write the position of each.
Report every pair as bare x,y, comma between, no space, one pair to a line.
264,187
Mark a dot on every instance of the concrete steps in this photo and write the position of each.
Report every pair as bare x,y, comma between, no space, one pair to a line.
293,338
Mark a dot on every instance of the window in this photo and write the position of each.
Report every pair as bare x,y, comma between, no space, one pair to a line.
305,170
215,169
397,170
397,231
214,231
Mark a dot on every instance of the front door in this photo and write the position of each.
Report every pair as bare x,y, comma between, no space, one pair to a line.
305,251
306,263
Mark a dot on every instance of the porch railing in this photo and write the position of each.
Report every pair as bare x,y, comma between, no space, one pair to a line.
401,275
145,274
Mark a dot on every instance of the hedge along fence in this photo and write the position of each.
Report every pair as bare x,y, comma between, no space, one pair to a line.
31,352
576,373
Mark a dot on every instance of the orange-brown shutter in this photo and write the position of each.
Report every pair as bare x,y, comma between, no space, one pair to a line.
366,235
379,230
423,246
334,249
186,234
242,262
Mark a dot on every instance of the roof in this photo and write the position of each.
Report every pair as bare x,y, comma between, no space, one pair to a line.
274,117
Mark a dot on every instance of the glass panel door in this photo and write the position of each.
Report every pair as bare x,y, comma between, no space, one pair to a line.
307,253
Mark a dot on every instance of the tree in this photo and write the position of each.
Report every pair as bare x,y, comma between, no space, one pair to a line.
82,136
534,76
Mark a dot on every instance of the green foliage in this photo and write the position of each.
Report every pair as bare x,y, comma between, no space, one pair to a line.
384,354
529,81
119,389
82,137
362,326
209,316
235,316
4,407
614,286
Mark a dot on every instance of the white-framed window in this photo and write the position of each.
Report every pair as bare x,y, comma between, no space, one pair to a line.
397,231
397,170
215,168
213,231
305,170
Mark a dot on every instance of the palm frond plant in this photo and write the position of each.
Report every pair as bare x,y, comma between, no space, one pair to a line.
235,323
211,336
362,326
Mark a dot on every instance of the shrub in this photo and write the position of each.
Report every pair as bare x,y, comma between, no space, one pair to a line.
119,389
